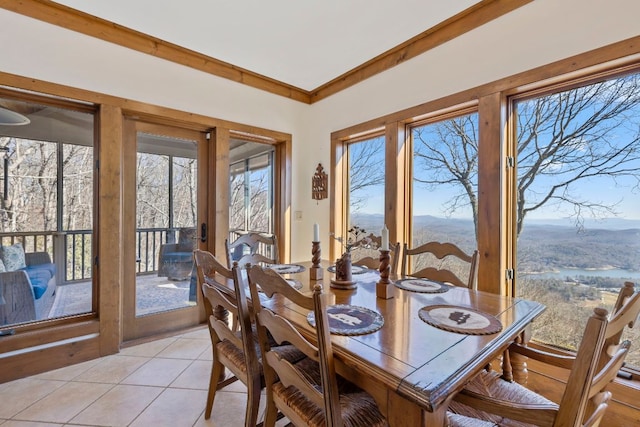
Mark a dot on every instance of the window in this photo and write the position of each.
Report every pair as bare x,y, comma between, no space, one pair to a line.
251,193
576,193
46,206
445,182
578,203
366,184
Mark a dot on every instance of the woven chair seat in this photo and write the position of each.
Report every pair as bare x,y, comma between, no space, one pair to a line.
357,406
236,356
490,384
457,420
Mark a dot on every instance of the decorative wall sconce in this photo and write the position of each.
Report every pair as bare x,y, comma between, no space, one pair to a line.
320,184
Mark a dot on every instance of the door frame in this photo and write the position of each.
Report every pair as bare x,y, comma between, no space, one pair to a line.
144,326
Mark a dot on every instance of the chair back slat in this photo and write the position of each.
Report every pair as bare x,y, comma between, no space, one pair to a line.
575,397
281,332
367,255
445,253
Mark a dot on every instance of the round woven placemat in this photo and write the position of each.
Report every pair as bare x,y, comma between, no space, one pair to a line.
425,286
286,268
355,269
295,284
463,320
350,319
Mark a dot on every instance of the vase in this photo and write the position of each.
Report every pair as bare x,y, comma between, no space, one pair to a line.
343,279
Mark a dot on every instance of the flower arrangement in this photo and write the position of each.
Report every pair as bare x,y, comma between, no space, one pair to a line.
356,238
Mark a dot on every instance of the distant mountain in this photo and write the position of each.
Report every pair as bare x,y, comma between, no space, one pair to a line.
606,223
543,244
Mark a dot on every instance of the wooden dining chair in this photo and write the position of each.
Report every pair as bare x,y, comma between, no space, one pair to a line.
444,262
491,401
308,393
245,249
233,349
367,254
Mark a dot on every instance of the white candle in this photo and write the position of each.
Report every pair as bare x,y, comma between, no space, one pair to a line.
385,239
316,233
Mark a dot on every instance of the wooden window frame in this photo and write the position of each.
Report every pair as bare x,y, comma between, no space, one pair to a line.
496,180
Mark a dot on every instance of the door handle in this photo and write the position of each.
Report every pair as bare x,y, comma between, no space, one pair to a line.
203,232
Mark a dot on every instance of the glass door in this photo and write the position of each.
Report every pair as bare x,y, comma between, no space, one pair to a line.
167,227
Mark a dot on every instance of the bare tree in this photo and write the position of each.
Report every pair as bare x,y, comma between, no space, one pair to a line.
591,132
574,136
250,200
366,169
446,154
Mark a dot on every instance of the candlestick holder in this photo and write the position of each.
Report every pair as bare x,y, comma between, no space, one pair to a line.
384,287
315,272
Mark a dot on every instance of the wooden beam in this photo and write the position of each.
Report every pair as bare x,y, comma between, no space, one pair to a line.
465,21
90,25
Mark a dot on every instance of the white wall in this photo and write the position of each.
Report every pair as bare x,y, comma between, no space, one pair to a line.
536,34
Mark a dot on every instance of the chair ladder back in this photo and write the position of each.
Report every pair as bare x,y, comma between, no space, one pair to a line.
252,241
374,262
215,298
608,373
282,331
255,259
244,243
446,276
600,404
574,402
244,319
269,240
625,313
208,270
441,251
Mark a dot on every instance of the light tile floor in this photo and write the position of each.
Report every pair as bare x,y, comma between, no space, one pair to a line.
159,383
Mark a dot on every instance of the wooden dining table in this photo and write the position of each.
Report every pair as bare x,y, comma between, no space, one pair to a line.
412,368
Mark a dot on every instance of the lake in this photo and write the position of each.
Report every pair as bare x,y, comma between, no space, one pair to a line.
574,272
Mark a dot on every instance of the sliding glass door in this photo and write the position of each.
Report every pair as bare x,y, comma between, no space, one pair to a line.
169,186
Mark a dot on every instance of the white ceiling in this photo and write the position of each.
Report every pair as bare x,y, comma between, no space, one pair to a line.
304,43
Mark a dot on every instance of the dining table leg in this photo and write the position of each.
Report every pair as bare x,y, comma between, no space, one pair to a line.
405,413
519,368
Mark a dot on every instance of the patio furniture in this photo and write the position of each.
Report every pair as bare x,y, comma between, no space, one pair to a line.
27,293
175,260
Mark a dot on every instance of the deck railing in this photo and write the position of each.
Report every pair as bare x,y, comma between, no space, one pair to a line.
73,249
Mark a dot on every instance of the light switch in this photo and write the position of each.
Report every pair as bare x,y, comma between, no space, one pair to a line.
297,215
